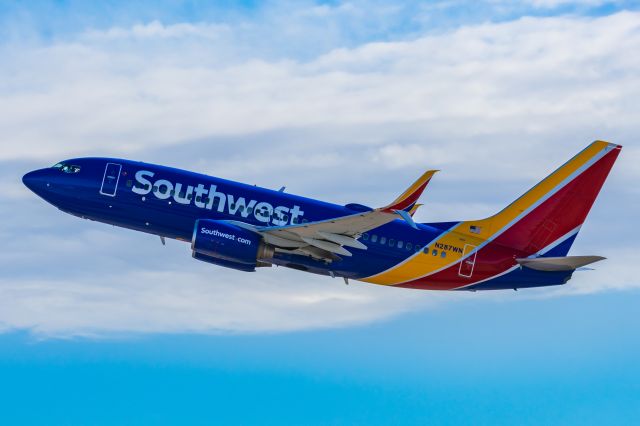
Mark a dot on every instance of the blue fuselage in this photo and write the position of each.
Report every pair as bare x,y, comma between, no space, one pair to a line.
167,202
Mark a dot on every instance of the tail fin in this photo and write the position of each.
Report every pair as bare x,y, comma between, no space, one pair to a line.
550,214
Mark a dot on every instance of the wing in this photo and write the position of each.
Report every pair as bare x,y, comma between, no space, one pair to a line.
331,238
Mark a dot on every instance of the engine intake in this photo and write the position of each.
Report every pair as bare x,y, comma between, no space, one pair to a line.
235,247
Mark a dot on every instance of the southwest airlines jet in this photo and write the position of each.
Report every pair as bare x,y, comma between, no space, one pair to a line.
245,227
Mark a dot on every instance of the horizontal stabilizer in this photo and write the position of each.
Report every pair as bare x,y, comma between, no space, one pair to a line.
567,263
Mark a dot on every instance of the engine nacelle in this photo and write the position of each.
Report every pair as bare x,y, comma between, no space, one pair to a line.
228,245
226,263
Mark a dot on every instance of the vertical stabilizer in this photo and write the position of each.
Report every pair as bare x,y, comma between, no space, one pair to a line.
554,209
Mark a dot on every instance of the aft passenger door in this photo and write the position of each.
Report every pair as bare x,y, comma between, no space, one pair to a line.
110,180
467,264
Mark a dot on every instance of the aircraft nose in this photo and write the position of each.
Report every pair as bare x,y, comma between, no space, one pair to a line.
35,181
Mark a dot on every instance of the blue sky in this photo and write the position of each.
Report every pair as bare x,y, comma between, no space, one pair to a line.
343,101
571,361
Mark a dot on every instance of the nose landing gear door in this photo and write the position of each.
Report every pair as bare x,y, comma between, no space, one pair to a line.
110,180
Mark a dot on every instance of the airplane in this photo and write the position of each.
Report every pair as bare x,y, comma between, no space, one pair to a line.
245,227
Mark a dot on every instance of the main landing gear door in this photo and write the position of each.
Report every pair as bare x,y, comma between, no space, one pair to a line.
110,179
467,264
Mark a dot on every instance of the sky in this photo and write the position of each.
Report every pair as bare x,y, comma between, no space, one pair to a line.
341,101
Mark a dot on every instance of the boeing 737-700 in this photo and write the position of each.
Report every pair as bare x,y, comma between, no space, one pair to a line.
245,227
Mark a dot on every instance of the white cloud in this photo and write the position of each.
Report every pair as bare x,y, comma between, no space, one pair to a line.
206,300
156,29
540,79
397,156
552,4
99,282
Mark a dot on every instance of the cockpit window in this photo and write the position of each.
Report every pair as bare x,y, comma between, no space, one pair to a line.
67,168
71,169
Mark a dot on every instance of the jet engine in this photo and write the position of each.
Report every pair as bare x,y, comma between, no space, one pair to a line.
229,245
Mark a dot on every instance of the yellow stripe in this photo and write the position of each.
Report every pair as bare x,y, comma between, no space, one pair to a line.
422,264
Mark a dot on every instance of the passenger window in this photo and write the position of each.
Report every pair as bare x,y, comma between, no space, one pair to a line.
190,196
305,221
365,237
417,248
198,199
383,240
443,254
434,252
426,250
409,246
374,238
400,244
392,242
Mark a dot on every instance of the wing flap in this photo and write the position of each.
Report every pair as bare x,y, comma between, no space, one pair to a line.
343,240
327,246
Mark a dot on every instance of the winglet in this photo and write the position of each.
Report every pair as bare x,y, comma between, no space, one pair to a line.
415,208
407,200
